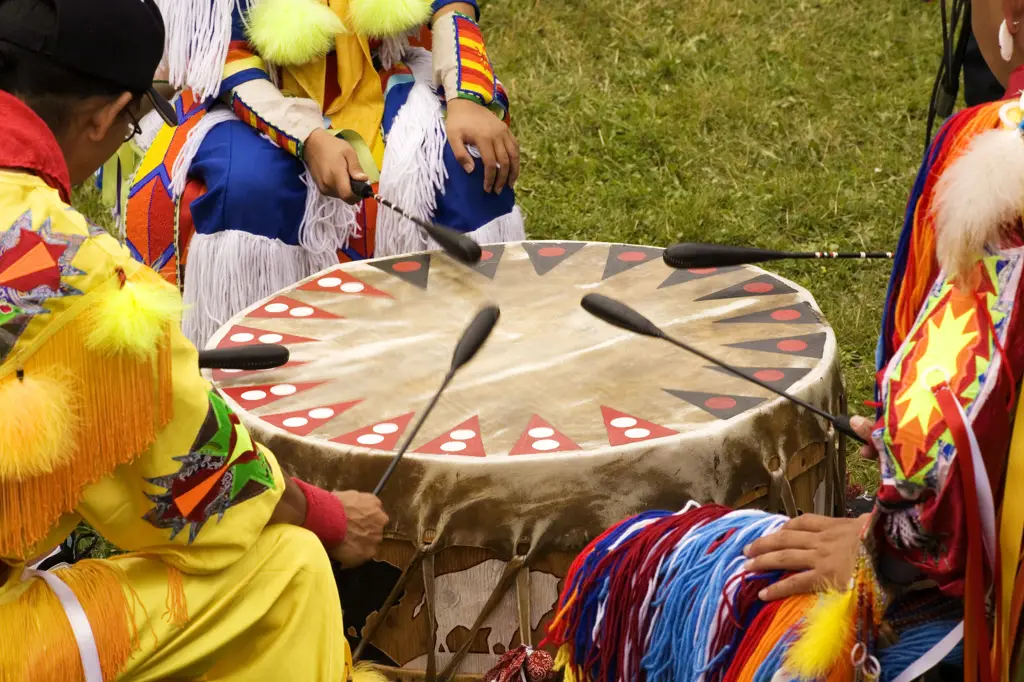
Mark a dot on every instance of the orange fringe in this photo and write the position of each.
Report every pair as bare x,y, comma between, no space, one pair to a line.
122,405
922,268
788,617
38,644
177,604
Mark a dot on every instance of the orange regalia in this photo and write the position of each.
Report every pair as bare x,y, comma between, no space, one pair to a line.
223,206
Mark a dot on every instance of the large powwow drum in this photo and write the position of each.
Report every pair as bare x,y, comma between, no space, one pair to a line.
560,427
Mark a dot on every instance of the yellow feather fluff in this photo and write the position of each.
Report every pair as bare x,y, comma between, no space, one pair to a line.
824,637
382,18
364,672
293,32
36,431
133,318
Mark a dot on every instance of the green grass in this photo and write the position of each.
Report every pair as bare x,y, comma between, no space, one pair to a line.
776,124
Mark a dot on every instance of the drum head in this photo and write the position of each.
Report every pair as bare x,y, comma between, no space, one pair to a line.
371,341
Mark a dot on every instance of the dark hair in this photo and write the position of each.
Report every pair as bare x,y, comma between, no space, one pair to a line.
49,89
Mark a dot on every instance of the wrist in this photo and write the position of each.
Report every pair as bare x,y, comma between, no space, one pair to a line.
325,515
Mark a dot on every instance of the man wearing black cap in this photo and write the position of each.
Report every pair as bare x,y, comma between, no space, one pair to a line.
105,417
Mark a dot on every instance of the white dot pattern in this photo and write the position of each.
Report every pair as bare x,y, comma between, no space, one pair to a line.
352,287
253,395
303,311
321,413
637,433
329,282
453,446
283,389
295,422
462,434
623,422
545,445
242,337
370,439
385,427
276,307
271,338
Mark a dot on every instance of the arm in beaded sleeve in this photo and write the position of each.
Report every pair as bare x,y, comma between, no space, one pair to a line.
462,69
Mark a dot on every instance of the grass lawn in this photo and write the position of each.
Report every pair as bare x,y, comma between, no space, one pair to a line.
781,124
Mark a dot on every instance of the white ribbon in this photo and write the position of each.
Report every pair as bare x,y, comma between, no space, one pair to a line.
934,655
80,626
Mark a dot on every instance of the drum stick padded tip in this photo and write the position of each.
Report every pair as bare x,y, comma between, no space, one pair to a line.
619,315
263,356
842,424
693,255
474,337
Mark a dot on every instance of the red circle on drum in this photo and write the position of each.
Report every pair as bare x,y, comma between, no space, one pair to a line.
758,287
792,345
769,375
486,255
785,315
702,271
632,256
551,251
720,403
406,266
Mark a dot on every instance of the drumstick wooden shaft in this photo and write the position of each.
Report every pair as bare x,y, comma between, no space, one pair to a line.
696,255
412,434
622,316
455,243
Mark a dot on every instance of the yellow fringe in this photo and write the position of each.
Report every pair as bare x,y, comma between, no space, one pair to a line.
293,32
122,401
36,429
382,18
177,604
38,644
365,672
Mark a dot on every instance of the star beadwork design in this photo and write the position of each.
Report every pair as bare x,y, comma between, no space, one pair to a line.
952,344
224,471
34,265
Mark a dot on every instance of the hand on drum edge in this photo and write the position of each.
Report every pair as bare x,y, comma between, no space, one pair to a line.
333,164
821,550
863,428
365,528
472,124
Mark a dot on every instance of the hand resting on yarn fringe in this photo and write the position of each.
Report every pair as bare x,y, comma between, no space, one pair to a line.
820,550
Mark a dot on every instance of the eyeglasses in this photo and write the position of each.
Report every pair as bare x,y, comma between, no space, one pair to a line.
136,128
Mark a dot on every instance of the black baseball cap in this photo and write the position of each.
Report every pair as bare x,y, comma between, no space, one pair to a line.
120,42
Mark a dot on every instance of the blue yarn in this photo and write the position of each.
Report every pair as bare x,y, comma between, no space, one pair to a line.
773,661
915,643
690,585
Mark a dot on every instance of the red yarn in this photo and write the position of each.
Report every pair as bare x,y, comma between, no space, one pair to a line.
325,515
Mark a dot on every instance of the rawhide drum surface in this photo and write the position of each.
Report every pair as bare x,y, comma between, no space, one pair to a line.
562,424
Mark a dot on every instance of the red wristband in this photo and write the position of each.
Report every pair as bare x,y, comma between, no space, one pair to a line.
325,515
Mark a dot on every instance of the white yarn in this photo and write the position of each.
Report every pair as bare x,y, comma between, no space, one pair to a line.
393,48
505,228
229,271
327,223
182,164
977,197
151,124
413,171
198,36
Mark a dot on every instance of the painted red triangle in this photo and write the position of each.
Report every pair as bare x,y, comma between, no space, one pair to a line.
239,336
540,437
231,374
382,435
284,308
303,422
463,440
624,429
251,397
338,281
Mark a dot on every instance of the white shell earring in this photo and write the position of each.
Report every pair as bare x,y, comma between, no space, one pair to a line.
1005,42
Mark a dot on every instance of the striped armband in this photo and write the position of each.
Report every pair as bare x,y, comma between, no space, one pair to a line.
461,65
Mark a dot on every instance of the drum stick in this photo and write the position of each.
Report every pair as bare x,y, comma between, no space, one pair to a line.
263,356
694,255
620,315
472,339
456,244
